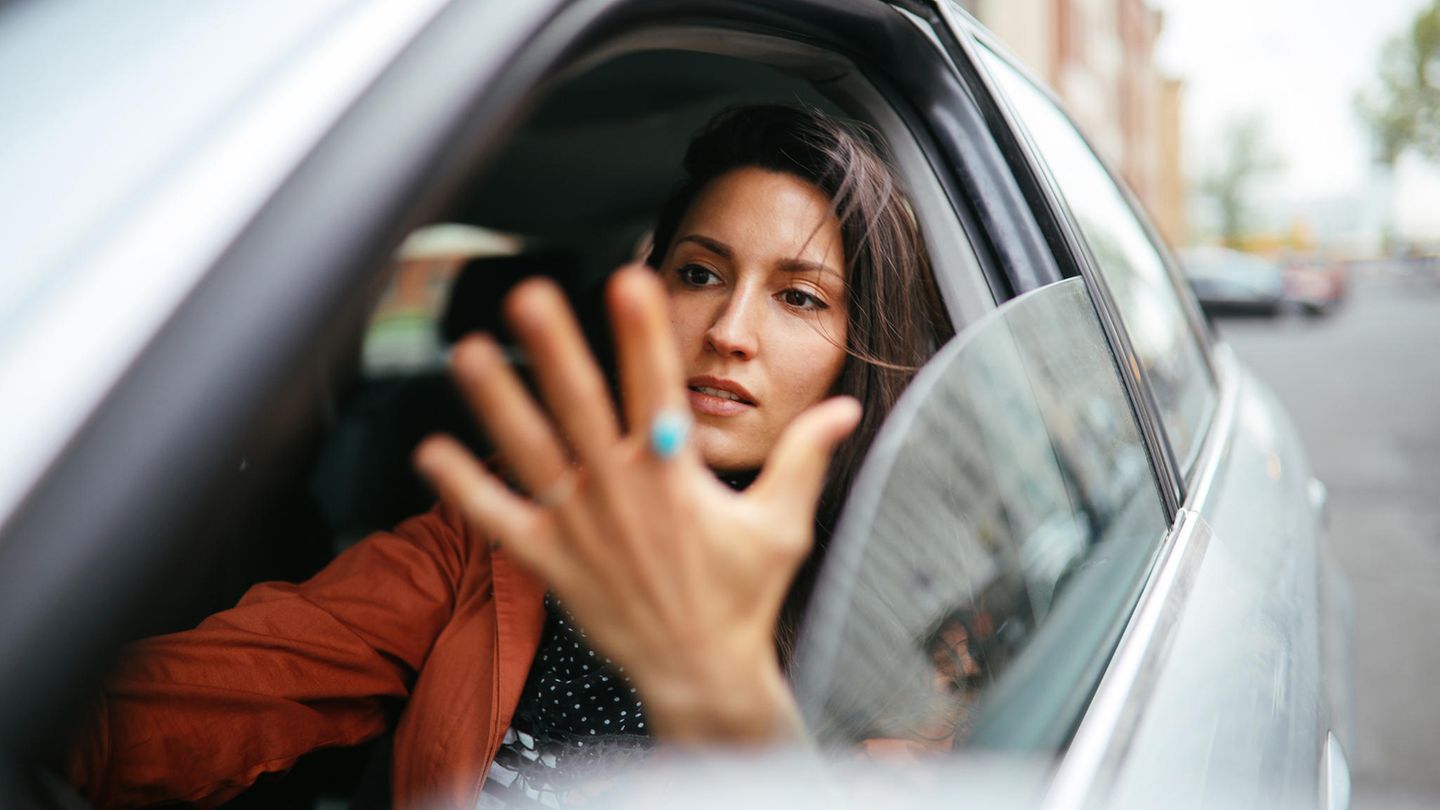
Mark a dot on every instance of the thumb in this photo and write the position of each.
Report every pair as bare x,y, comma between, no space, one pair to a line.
795,471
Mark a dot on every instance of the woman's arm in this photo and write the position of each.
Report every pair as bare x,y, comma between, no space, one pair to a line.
197,716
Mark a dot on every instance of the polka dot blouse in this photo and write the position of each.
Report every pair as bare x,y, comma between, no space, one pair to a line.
577,715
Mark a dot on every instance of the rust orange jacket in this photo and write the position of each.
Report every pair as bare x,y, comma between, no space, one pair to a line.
427,613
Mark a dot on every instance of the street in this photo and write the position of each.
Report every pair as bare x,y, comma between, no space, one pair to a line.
1363,385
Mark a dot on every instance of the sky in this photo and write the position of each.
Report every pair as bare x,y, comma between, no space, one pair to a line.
1297,64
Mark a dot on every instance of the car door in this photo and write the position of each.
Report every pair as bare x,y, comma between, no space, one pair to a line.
230,356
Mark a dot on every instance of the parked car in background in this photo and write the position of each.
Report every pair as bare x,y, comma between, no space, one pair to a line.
1088,537
1315,284
1229,282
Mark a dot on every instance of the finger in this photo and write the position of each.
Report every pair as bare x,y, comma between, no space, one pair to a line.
509,415
524,435
569,378
651,376
490,507
794,474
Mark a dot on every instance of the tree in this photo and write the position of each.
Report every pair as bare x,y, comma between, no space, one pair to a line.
1245,157
1403,109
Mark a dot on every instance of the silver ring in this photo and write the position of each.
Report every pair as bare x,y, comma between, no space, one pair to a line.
668,432
558,492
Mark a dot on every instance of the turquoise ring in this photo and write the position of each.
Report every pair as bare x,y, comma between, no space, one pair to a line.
668,433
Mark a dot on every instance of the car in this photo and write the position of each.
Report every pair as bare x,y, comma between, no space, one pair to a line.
1087,539
1318,286
1229,282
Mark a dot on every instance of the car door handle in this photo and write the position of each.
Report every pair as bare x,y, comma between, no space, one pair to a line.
1320,501
1335,775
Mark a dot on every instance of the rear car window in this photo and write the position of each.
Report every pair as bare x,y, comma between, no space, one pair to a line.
993,544
1152,304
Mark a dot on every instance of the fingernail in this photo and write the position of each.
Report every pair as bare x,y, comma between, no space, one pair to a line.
525,307
474,347
422,463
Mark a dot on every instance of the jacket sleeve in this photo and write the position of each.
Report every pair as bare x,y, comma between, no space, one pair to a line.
198,716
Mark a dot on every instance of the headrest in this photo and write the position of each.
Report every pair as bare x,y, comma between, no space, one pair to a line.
481,285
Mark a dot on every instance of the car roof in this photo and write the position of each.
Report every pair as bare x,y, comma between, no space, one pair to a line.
104,100
122,123
604,146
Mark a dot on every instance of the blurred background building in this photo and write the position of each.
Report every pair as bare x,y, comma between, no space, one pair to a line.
1178,95
1099,56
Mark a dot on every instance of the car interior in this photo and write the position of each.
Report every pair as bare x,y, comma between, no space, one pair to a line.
571,196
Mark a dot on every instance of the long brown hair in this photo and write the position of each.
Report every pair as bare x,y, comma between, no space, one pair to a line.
896,319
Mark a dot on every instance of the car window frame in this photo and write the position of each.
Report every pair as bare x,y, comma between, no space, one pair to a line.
1072,251
1199,327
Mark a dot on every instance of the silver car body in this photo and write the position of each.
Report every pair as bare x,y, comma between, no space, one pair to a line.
1234,688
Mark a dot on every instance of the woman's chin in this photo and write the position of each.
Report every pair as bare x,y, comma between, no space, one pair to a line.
724,452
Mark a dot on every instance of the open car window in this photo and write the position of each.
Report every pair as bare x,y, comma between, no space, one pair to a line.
993,545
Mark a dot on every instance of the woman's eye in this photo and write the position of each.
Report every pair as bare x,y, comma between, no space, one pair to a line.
801,300
695,275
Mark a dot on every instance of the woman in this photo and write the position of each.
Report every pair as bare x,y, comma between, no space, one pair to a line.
786,269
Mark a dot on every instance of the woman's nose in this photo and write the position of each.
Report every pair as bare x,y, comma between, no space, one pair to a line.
734,333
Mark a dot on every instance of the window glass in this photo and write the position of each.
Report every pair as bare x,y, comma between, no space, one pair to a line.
992,546
362,479
1146,294
404,335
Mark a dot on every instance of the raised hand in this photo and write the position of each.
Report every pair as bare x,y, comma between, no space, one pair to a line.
672,574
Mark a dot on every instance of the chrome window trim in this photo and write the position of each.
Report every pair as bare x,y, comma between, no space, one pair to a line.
1102,739
1215,447
1137,384
1335,774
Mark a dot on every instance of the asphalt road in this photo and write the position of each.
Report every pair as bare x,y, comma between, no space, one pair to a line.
1364,387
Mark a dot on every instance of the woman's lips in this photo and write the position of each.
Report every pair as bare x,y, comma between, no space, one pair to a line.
719,396
712,405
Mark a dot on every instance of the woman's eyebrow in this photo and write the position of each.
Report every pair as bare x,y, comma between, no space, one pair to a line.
795,265
807,266
714,246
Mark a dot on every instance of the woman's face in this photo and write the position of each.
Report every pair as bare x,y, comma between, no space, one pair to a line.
756,276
